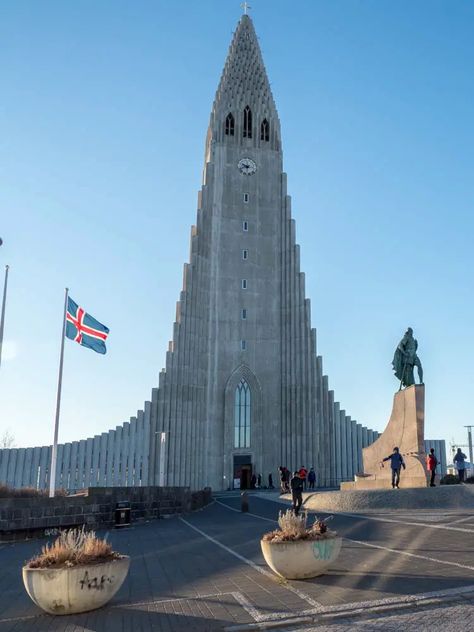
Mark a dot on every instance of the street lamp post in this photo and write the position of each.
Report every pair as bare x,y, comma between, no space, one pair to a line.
469,441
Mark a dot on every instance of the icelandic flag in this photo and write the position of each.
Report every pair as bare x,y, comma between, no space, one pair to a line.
84,329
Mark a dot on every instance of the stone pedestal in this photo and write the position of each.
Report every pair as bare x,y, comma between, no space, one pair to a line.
405,429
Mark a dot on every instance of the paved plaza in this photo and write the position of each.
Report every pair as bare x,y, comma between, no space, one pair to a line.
401,570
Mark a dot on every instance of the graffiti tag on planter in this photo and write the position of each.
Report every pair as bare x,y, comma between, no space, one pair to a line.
95,583
323,549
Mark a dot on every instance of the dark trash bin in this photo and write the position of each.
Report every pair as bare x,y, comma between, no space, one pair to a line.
123,514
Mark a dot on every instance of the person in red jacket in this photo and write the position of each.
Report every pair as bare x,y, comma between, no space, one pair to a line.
303,472
431,463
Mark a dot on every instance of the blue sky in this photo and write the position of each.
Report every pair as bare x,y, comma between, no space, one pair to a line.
103,114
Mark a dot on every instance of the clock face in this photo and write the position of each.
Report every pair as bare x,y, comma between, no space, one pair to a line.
247,166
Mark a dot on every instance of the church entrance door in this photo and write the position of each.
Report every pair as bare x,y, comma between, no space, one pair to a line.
242,471
245,476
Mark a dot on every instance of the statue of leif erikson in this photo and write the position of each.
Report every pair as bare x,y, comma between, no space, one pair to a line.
405,359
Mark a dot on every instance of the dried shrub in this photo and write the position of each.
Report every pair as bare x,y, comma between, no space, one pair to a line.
74,547
27,492
293,528
22,492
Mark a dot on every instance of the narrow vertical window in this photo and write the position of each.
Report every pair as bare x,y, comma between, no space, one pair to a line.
245,226
242,415
245,254
229,125
264,130
246,198
244,284
247,122
244,314
243,345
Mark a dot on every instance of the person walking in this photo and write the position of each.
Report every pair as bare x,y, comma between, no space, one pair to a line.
396,463
270,481
303,473
259,481
284,479
459,464
296,485
311,478
431,463
287,480
281,471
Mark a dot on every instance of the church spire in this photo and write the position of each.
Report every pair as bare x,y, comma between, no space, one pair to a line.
244,90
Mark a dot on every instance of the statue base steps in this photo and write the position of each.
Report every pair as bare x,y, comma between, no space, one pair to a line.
385,483
459,497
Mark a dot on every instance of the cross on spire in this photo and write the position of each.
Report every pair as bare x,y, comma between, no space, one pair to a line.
245,6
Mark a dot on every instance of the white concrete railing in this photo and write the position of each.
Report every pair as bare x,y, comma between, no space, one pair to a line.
119,457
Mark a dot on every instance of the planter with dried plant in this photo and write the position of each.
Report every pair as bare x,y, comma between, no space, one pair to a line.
77,573
295,551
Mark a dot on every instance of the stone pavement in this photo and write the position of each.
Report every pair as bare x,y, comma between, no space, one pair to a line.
205,572
451,618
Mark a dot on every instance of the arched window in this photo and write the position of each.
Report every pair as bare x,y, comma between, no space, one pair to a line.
264,130
229,125
247,122
242,415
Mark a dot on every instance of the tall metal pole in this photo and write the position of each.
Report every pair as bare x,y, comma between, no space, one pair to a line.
2,319
52,469
469,441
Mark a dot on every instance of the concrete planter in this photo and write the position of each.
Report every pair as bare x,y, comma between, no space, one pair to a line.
301,559
75,589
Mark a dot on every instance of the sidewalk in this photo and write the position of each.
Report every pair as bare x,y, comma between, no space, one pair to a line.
205,572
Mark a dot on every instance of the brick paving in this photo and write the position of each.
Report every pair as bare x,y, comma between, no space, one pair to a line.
449,618
206,573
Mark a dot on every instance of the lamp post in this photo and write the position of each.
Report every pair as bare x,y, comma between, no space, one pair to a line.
469,441
4,301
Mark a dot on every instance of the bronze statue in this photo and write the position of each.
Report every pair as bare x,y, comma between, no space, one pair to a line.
405,360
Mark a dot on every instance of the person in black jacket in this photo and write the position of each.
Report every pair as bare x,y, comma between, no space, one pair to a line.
281,469
270,481
311,478
396,463
458,460
296,485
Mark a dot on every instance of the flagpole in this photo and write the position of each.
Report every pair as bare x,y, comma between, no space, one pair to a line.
52,475
4,302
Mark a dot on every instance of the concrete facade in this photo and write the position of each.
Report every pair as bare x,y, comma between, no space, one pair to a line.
243,316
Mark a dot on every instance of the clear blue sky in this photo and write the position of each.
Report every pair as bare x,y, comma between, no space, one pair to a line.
103,114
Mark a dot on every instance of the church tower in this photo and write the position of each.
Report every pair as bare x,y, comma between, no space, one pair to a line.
243,390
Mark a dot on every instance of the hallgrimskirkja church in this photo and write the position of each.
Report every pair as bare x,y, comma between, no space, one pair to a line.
243,389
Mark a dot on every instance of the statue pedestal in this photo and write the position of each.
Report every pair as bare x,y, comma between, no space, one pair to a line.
405,429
